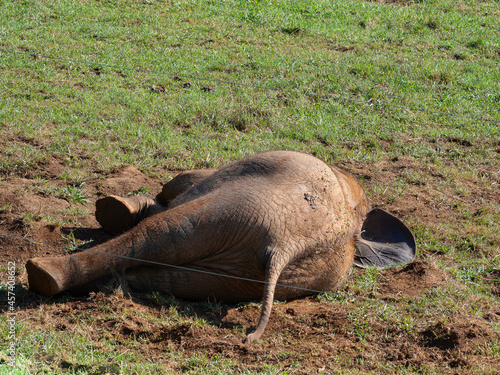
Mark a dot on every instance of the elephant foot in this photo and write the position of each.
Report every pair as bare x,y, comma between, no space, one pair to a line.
117,215
47,275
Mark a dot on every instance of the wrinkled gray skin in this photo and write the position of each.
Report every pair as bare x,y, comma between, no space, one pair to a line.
279,217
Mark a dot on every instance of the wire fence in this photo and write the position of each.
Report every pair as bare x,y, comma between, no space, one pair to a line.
312,291
331,96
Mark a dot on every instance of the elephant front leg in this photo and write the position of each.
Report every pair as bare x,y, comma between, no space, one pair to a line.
117,214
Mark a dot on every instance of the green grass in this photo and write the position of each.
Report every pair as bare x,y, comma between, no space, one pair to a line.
359,50
367,68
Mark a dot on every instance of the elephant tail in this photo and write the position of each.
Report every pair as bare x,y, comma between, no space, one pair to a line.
275,267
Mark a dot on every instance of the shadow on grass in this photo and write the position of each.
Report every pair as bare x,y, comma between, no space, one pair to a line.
86,238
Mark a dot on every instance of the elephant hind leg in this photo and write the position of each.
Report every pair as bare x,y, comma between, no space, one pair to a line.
182,183
117,214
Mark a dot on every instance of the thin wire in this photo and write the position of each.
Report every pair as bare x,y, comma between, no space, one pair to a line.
422,309
335,96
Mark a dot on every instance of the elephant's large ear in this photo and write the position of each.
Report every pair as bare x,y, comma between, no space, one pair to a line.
384,241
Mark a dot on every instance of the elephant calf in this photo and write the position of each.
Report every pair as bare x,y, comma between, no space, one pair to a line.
285,219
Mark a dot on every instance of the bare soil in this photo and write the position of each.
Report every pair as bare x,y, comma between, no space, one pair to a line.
310,332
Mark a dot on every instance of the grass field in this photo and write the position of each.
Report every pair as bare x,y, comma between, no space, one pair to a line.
405,95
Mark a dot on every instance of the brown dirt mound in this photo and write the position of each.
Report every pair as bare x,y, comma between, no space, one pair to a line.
29,208
445,336
493,277
415,278
125,180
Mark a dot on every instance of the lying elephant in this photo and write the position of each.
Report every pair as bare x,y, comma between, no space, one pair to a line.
284,219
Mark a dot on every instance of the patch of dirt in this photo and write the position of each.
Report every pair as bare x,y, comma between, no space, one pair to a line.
494,277
321,337
451,336
414,279
315,334
126,180
28,209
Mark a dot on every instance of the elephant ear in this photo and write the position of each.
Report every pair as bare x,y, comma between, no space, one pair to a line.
384,241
